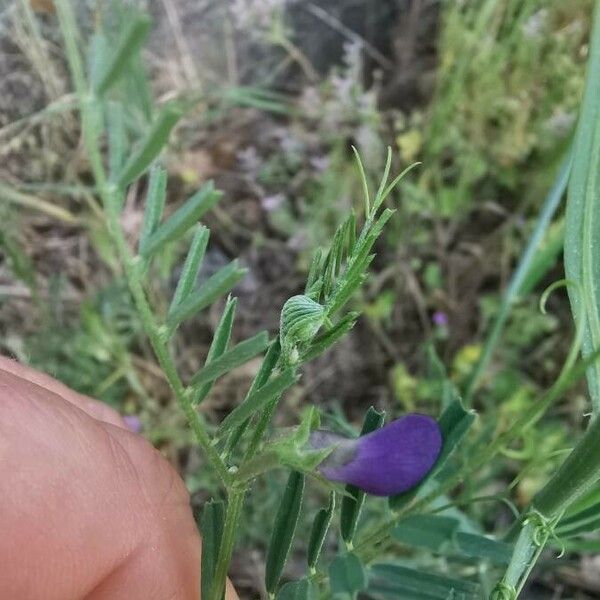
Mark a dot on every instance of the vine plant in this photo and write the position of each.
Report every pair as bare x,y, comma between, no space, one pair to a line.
241,448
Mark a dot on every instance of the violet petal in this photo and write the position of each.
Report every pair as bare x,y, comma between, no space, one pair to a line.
388,461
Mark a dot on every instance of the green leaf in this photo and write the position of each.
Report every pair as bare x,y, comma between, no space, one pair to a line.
235,357
211,526
284,529
150,146
354,275
191,267
524,275
324,341
454,423
545,258
117,138
297,590
154,205
483,548
258,399
582,226
347,576
394,582
352,503
365,183
183,218
132,40
318,532
219,284
266,368
98,57
434,532
218,346
313,273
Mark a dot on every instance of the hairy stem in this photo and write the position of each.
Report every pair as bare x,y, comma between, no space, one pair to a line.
230,527
111,196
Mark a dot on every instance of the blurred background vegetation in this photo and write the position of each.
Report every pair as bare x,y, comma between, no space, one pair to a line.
483,92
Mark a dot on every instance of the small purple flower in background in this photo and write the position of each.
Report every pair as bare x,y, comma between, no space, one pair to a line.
387,461
440,318
133,423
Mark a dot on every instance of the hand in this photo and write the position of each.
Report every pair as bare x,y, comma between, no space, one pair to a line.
88,510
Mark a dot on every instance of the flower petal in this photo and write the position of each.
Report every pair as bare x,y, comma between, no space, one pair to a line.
388,461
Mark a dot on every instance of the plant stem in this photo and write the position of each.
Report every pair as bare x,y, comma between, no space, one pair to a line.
548,209
110,195
232,516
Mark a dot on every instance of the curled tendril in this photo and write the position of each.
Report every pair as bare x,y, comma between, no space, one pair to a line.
506,501
543,528
579,321
503,591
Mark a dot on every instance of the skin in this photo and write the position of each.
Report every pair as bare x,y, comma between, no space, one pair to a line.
89,510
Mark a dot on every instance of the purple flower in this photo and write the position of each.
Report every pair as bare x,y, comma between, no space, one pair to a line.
388,461
440,318
133,423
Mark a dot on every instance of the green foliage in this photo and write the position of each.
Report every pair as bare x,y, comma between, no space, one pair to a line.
347,576
181,220
211,525
231,359
318,532
396,581
485,129
283,530
489,121
297,590
581,231
219,284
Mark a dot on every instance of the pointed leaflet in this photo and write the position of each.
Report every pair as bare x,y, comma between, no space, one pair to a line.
266,368
483,548
297,590
258,399
219,284
154,205
183,218
150,146
319,531
394,582
191,267
231,359
218,346
131,41
324,341
211,526
347,576
283,530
